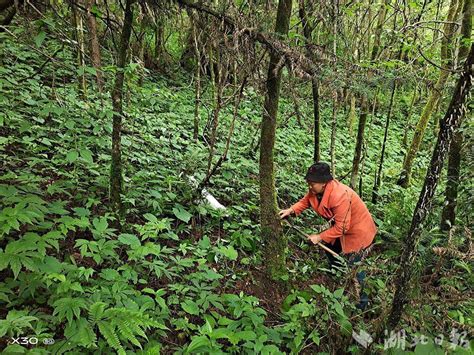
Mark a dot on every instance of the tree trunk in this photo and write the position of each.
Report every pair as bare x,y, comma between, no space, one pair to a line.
7,17
433,99
448,216
450,122
140,45
378,30
378,176
317,121
364,106
359,142
334,95
159,33
275,242
79,37
332,149
408,124
352,114
307,31
197,81
218,77
116,181
94,44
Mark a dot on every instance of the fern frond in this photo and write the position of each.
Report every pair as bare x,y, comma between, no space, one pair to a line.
109,334
124,328
96,312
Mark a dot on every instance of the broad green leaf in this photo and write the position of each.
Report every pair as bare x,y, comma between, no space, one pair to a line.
181,213
129,239
72,156
40,38
190,307
86,154
228,252
198,344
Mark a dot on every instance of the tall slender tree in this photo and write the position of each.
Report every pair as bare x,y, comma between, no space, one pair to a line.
448,216
80,48
275,242
335,15
94,44
378,176
364,103
450,122
307,32
116,178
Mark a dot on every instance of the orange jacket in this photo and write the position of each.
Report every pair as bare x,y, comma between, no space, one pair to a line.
351,220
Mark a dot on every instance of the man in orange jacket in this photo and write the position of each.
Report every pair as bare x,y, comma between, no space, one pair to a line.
352,227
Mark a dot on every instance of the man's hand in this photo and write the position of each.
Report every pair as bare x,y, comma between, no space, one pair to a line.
315,238
285,213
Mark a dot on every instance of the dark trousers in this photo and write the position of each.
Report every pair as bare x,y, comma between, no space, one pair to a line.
352,259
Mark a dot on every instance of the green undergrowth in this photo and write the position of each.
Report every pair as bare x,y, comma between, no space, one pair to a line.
172,279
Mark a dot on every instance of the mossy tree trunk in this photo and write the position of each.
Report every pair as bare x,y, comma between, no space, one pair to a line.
360,141
116,179
275,242
448,216
449,123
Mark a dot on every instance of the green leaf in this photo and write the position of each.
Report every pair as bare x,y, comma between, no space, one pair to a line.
40,38
129,239
150,218
198,344
72,156
100,224
247,335
346,326
181,213
86,154
190,307
339,292
228,252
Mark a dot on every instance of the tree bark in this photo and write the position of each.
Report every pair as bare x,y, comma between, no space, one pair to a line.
307,31
332,149
448,216
335,15
271,230
116,180
450,122
352,114
94,44
359,142
408,124
218,77
433,99
378,176
378,29
317,120
79,37
10,13
197,80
